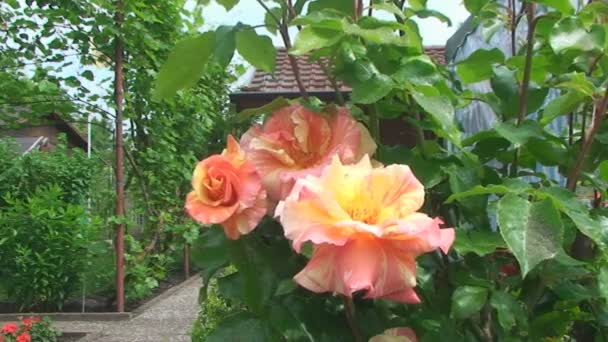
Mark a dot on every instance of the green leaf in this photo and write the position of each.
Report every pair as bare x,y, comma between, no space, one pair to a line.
602,282
344,7
508,308
603,167
417,5
209,251
310,38
569,34
563,6
380,35
577,81
224,45
429,13
468,300
258,278
478,66
547,152
228,4
519,135
563,104
567,203
277,103
185,65
533,231
480,242
441,110
242,327
257,50
372,90
515,186
270,22
474,6
390,8
419,70
88,74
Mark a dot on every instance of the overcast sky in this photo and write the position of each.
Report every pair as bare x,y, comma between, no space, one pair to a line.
433,31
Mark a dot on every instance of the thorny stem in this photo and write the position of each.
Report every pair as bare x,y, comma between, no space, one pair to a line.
598,115
349,309
513,26
523,90
582,248
332,80
286,40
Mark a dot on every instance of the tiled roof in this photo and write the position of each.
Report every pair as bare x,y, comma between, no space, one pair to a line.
311,73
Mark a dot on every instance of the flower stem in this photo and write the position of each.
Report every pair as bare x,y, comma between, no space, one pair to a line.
349,309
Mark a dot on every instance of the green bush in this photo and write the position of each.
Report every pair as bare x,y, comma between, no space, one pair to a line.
43,248
214,308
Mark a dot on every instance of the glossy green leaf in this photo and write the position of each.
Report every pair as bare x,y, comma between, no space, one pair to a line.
241,327
563,104
228,4
429,13
567,203
603,168
478,66
269,19
276,104
547,152
515,186
602,282
259,280
468,300
390,8
519,135
578,82
380,35
257,50
209,251
344,7
417,5
419,70
224,45
185,65
569,34
310,38
564,6
480,242
507,307
442,111
474,6
533,231
372,90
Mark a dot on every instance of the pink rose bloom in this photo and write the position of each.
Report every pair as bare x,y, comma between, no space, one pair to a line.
365,227
295,142
396,335
227,191
10,328
25,337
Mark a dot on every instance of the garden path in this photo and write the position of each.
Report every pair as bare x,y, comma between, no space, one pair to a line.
169,319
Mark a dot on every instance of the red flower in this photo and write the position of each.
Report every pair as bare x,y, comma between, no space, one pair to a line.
28,323
10,328
25,337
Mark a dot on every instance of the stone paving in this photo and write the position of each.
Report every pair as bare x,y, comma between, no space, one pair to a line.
169,319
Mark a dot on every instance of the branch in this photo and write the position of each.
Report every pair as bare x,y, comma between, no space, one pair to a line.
332,80
349,309
292,60
598,115
523,90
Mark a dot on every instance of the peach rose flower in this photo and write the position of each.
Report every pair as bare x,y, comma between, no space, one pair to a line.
227,191
295,142
365,227
396,335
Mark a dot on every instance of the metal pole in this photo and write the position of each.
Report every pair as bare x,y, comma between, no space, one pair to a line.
120,196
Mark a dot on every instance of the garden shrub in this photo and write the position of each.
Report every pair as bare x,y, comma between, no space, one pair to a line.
43,248
28,329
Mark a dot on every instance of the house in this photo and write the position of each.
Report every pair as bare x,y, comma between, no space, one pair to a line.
264,87
44,135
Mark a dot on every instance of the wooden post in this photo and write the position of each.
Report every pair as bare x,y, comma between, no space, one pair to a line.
120,195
